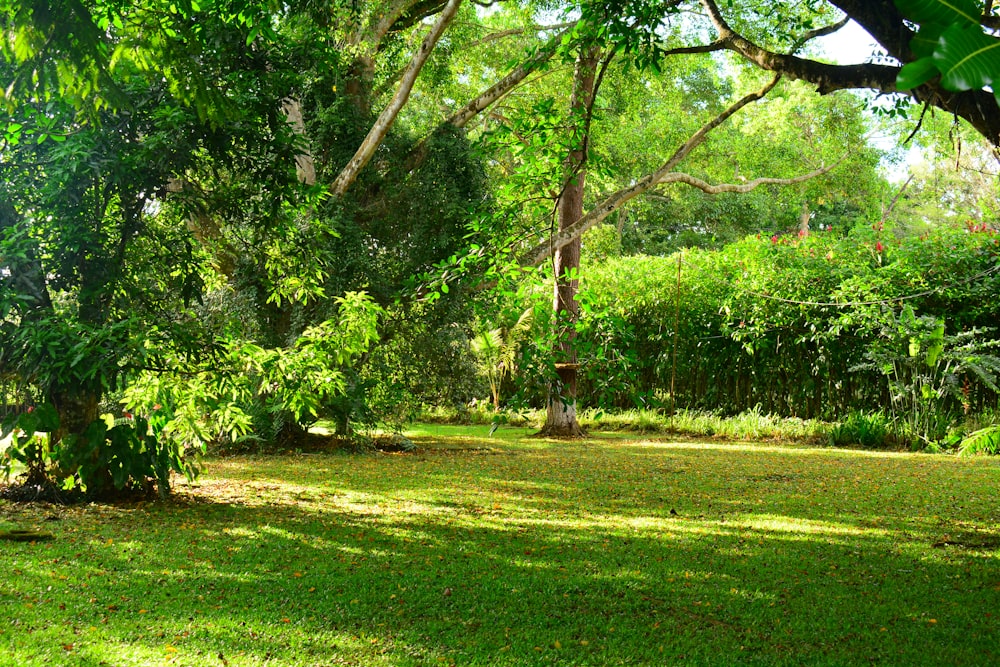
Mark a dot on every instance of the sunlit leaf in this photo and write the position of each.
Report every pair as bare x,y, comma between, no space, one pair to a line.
968,58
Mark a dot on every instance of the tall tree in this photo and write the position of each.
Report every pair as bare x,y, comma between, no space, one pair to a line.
560,419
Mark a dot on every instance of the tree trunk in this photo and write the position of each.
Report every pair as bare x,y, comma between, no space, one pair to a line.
78,408
560,416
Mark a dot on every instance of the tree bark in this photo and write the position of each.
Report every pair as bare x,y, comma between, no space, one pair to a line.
388,116
560,416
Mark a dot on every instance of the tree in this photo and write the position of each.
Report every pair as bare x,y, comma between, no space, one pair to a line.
239,66
91,280
560,417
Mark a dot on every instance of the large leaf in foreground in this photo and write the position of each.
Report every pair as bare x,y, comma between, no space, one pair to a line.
968,58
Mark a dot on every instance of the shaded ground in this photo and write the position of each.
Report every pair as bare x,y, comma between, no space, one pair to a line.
518,551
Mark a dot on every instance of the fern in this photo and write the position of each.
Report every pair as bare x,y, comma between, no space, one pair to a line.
984,441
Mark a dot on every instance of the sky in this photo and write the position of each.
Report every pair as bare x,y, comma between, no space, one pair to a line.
852,45
849,45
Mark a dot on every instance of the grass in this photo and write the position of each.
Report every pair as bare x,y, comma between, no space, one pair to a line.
514,550
749,425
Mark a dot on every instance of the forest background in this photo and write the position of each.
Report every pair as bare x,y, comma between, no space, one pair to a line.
223,221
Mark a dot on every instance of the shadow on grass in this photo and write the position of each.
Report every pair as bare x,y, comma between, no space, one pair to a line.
560,554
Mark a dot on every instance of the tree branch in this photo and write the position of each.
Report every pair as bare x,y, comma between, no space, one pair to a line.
595,216
820,32
827,78
401,15
503,34
490,96
388,116
881,20
680,177
717,45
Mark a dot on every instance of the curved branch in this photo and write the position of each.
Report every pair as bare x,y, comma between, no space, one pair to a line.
503,34
827,78
498,90
542,251
883,22
708,188
402,15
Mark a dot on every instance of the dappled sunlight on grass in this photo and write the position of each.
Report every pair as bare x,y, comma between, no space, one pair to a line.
784,524
533,552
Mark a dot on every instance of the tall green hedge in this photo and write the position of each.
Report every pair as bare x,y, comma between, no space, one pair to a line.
782,322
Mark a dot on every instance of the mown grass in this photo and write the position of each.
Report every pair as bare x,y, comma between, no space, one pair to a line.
512,550
749,425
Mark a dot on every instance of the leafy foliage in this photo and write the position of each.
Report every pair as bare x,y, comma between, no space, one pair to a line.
230,397
871,431
128,455
983,441
497,351
930,370
951,44
786,323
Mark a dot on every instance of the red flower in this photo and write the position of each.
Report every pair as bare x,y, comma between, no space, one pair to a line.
879,247
774,239
31,408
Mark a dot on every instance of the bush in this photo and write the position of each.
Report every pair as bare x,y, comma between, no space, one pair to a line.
125,455
983,441
870,431
754,323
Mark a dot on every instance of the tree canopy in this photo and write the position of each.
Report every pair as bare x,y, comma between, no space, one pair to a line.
232,218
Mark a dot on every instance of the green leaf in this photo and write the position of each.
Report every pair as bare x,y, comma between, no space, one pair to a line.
943,12
968,58
926,40
916,73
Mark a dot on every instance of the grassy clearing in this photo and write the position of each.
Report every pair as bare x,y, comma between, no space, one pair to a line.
749,425
512,550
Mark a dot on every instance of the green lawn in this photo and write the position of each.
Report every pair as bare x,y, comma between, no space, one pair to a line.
518,551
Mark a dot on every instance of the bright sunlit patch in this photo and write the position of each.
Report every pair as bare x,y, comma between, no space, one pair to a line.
790,449
787,524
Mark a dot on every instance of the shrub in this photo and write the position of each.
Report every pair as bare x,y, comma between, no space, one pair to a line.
125,455
983,441
871,431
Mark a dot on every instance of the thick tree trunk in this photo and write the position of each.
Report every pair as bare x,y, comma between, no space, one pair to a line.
560,416
77,408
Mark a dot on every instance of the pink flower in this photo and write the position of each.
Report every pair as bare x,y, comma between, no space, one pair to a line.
31,408
774,239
